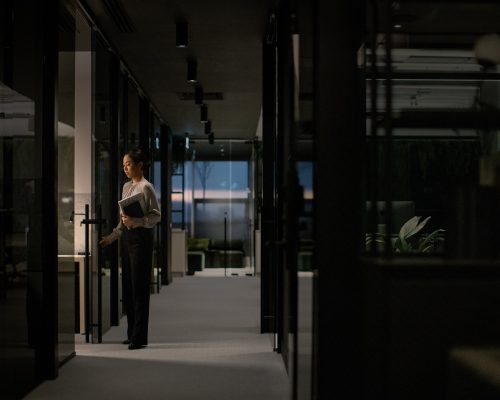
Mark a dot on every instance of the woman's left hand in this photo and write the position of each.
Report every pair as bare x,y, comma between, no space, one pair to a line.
128,221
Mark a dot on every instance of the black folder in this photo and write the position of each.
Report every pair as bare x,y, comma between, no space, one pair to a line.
133,206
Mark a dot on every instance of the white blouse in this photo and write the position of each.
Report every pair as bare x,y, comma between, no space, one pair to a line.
153,214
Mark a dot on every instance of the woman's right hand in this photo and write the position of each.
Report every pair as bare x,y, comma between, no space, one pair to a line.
105,241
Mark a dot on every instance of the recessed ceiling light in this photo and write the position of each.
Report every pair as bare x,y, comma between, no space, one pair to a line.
192,71
181,34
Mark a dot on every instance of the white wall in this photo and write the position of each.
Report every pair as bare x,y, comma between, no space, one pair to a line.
83,128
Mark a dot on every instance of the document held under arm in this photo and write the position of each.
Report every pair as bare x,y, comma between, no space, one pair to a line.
133,206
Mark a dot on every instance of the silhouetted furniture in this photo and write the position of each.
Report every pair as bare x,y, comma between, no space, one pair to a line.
305,255
212,253
415,311
196,260
232,249
197,249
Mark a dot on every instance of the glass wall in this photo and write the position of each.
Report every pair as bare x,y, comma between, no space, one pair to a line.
132,116
49,170
68,272
21,190
432,192
219,207
303,49
104,187
431,150
156,178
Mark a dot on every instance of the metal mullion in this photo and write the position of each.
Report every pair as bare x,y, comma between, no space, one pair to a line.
46,32
374,178
388,128
116,166
166,201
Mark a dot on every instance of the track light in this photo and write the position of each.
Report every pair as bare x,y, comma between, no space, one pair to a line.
198,95
203,113
181,34
192,71
208,127
211,138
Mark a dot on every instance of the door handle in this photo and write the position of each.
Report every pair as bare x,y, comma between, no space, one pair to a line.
92,221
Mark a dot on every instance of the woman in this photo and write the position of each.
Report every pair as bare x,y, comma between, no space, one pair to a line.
137,249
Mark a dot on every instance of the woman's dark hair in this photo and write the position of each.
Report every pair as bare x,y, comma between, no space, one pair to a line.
137,156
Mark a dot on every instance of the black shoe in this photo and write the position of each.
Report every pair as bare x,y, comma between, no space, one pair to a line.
133,346
126,341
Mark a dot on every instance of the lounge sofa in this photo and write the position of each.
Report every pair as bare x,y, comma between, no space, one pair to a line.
213,253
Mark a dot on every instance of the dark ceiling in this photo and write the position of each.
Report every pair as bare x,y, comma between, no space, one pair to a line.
225,37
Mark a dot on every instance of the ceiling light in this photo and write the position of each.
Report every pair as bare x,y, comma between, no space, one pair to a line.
208,127
198,95
398,26
192,71
181,34
203,113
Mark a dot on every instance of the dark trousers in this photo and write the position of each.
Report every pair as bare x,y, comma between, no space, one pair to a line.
137,257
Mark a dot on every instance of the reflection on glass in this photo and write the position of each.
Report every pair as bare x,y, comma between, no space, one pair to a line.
437,170
19,242
67,297
104,194
218,208
133,117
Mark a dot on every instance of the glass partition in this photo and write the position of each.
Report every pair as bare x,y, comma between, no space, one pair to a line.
21,270
155,178
219,212
132,116
104,192
305,170
430,246
69,271
432,130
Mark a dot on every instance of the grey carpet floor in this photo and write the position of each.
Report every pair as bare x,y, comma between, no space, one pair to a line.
204,343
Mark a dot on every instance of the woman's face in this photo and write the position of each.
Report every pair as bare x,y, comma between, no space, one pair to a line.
131,169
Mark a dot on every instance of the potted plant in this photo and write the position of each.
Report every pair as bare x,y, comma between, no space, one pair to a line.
409,242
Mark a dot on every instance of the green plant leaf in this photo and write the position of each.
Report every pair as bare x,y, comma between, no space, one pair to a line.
378,237
427,249
424,244
407,227
401,245
412,226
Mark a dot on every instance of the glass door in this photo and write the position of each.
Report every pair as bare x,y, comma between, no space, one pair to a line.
94,166
104,189
82,162
219,207
68,265
155,178
21,271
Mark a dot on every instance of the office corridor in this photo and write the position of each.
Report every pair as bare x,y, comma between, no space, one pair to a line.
204,343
